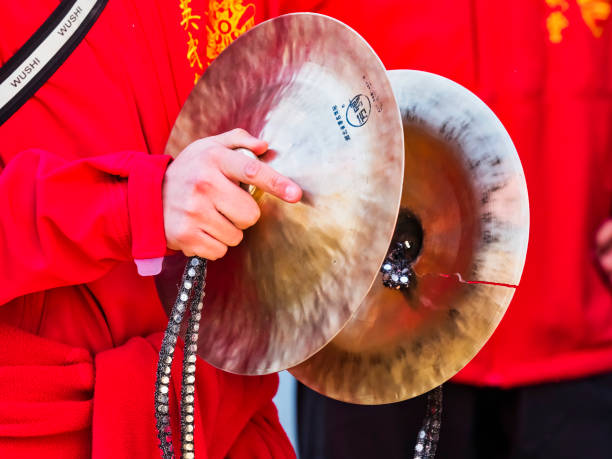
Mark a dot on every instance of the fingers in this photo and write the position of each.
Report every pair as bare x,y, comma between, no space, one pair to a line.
205,246
221,229
239,138
237,205
237,166
204,209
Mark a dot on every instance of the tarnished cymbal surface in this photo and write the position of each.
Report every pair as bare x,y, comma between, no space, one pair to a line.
316,92
465,193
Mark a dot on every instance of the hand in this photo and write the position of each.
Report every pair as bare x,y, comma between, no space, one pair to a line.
603,241
205,210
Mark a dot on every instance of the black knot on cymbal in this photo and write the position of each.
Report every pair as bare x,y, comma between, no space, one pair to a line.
404,249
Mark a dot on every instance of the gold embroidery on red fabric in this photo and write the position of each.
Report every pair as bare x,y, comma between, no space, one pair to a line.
192,52
593,12
187,17
556,22
227,20
563,4
190,23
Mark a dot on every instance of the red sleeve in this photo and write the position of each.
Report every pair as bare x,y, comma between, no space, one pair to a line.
67,222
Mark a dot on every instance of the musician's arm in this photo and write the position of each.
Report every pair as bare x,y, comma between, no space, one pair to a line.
68,222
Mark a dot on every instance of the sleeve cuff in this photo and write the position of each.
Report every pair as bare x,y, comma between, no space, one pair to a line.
149,266
146,211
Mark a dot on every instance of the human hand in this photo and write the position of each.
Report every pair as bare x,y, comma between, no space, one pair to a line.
205,210
603,240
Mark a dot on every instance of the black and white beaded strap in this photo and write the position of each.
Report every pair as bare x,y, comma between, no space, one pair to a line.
190,297
39,58
428,436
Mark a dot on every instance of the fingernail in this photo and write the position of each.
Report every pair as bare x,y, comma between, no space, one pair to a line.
292,192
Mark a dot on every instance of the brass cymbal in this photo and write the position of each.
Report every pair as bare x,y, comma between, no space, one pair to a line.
465,214
315,90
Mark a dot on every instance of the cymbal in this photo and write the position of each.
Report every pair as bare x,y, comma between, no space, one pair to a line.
317,93
465,217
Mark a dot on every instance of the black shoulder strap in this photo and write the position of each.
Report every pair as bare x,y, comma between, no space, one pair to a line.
45,52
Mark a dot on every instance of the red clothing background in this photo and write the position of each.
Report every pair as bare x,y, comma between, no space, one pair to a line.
80,198
554,98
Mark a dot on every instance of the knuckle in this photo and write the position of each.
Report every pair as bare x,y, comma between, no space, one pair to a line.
194,205
277,183
252,168
239,131
212,154
201,144
204,185
198,148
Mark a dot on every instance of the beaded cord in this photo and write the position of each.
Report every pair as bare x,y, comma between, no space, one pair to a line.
190,292
428,436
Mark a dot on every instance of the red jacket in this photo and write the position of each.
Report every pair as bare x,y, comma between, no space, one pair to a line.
80,198
546,72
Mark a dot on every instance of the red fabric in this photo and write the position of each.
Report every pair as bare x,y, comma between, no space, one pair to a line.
66,222
80,198
76,317
236,413
554,99
58,402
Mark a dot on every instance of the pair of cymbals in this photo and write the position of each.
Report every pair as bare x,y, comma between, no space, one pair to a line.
315,90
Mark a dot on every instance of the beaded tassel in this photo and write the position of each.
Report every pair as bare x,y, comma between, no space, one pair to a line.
192,290
192,287
189,361
428,436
